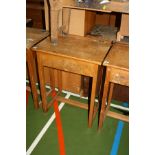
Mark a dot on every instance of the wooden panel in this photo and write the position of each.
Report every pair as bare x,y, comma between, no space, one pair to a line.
124,29
81,22
70,82
121,93
119,76
77,22
106,19
103,19
112,20
67,64
89,21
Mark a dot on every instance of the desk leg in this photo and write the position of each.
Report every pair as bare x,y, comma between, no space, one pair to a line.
46,9
66,12
110,95
52,78
30,63
42,83
59,80
104,98
92,100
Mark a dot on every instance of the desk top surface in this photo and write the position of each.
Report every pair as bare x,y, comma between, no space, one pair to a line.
118,56
76,47
34,36
112,6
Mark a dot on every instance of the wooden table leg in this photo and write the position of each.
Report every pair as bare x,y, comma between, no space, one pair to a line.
92,100
104,98
46,9
52,78
110,95
42,83
30,63
59,80
66,12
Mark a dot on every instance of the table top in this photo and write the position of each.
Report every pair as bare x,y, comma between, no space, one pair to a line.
94,5
33,36
118,56
76,47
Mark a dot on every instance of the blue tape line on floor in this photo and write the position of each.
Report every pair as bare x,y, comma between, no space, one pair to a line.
118,134
117,138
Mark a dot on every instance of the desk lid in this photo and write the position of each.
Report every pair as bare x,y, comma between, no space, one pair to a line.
118,56
33,36
76,47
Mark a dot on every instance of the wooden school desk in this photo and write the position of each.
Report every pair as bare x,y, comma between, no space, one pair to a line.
117,71
33,36
75,54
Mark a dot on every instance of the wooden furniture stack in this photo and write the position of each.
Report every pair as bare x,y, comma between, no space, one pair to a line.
78,56
81,26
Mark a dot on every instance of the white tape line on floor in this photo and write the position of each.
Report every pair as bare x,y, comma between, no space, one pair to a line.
47,125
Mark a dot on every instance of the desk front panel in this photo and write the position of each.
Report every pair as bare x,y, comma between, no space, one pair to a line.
119,76
68,64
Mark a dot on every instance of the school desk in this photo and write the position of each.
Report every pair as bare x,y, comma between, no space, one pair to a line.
117,71
33,36
74,54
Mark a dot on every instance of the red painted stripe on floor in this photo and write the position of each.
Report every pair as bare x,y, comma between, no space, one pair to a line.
59,126
27,97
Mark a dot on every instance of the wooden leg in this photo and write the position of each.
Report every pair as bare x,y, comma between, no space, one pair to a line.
65,20
30,62
46,9
92,100
59,80
54,26
42,83
110,95
118,36
52,79
104,98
